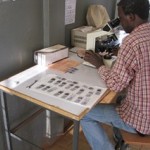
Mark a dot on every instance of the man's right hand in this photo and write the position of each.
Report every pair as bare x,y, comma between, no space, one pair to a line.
93,58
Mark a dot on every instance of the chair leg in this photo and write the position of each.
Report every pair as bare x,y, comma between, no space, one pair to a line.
117,135
125,147
120,144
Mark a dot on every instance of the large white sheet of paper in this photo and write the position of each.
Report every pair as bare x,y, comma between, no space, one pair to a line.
68,90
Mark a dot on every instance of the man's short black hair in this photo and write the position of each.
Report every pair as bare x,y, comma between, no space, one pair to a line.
138,7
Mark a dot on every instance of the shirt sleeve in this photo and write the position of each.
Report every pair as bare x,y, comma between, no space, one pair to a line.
118,77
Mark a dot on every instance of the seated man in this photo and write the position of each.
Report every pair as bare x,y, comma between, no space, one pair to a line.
132,72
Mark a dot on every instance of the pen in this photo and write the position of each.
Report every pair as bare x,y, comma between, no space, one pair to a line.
29,86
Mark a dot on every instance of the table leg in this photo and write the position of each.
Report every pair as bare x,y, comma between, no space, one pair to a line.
6,120
76,134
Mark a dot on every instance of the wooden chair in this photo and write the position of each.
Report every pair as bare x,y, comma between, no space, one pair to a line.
142,142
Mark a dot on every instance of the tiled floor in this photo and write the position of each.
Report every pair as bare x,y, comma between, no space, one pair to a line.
65,142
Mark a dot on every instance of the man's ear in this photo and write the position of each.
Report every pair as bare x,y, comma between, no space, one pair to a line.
131,17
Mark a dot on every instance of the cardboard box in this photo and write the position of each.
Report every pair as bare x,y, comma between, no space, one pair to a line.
85,37
51,54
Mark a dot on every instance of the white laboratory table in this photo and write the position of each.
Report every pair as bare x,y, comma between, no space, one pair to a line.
16,85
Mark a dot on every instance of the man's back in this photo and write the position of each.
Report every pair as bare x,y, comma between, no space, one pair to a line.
135,60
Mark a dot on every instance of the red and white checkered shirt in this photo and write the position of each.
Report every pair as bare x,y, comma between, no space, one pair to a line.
132,71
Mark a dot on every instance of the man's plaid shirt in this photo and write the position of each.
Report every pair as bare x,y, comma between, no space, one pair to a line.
132,71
